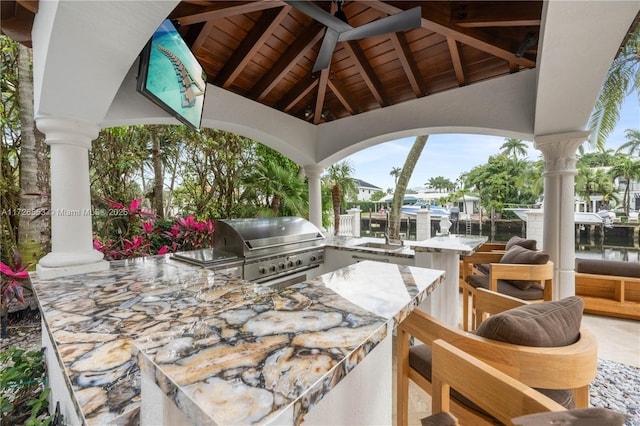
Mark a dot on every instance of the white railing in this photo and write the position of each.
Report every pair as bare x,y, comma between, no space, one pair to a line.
348,225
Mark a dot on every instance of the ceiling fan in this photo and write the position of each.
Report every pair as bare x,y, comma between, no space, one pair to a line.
338,29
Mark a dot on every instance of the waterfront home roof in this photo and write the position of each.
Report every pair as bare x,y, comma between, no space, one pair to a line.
367,185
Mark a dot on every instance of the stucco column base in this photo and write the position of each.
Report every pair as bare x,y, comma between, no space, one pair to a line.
93,262
72,249
559,152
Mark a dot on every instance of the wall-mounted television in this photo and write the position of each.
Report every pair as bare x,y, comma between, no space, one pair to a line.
171,76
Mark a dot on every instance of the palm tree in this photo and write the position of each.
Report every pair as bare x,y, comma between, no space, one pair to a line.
403,182
622,79
513,147
590,181
33,232
633,144
283,189
395,172
628,170
341,183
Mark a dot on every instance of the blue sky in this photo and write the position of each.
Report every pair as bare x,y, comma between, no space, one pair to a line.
441,155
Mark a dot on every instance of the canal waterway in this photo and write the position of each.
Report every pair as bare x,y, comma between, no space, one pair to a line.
619,242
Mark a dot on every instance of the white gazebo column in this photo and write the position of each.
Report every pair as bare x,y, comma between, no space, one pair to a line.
72,249
314,172
559,152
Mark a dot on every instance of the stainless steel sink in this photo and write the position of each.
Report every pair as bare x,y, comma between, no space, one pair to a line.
381,246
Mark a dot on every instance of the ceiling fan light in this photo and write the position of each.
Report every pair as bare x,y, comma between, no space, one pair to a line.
340,13
341,16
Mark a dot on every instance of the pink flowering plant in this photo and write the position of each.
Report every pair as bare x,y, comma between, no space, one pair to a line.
13,280
134,231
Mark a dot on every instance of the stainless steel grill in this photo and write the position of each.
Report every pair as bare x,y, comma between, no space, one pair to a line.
281,248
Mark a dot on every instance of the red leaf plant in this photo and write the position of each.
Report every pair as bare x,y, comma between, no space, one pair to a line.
11,286
132,232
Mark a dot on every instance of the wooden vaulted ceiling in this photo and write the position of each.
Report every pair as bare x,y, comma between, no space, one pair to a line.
265,50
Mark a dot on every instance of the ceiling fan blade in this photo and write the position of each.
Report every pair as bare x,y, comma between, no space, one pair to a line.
319,15
403,21
326,50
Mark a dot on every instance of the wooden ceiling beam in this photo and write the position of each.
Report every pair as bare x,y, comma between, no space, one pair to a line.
367,73
322,92
30,5
254,40
343,95
436,17
409,65
16,20
470,14
456,58
202,36
293,54
223,10
297,94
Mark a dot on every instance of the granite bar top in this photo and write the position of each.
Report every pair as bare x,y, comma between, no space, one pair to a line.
276,350
463,245
359,244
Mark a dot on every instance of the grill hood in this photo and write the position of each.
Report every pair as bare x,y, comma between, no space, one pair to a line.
263,236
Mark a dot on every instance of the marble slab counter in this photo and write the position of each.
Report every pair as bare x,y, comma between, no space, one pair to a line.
370,245
462,245
273,354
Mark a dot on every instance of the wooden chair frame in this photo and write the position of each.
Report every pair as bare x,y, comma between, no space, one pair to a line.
568,367
500,271
471,377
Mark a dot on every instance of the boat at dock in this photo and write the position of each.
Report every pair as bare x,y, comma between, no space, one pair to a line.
580,218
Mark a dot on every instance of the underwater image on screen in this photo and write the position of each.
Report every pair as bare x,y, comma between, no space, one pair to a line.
174,75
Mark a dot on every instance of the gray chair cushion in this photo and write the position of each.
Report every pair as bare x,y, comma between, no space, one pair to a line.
608,267
521,255
522,242
594,416
534,292
545,324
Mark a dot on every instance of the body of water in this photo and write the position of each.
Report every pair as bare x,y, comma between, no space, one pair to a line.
616,243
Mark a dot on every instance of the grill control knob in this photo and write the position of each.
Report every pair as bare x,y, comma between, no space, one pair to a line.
290,264
262,269
272,268
298,262
312,258
281,265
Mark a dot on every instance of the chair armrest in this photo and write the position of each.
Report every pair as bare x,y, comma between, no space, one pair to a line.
483,257
492,247
494,391
520,271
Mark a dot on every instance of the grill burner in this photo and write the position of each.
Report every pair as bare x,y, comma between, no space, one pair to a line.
271,248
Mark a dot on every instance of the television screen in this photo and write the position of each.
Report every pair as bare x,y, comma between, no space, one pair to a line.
171,76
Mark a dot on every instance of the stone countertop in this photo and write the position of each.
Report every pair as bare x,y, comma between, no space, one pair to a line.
357,244
282,350
462,244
